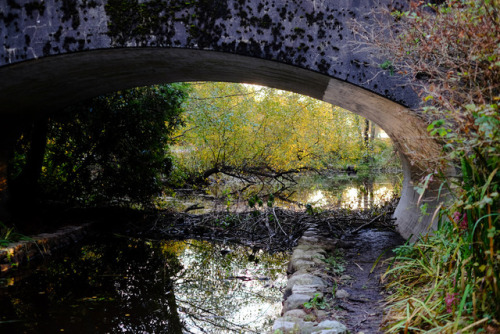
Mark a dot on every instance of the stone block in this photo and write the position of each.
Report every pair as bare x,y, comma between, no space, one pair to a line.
331,327
296,313
295,300
305,279
304,289
286,326
300,264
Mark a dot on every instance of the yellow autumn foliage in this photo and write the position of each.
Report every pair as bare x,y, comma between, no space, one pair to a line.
239,125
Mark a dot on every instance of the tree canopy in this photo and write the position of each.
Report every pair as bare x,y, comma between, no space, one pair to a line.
109,149
250,128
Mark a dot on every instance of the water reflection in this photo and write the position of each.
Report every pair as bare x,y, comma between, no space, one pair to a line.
341,191
123,285
324,191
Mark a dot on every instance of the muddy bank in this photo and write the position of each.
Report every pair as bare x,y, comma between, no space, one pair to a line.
41,245
361,306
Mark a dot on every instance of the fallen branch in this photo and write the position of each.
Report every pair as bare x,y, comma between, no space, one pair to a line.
193,207
368,224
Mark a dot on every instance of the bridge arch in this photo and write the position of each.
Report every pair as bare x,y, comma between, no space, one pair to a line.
57,53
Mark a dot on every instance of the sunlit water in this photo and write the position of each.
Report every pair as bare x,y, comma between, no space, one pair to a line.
120,285
321,191
347,192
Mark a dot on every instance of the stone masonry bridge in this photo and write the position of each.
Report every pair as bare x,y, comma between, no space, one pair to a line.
56,52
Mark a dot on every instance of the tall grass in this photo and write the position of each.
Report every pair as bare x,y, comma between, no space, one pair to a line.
450,281
432,289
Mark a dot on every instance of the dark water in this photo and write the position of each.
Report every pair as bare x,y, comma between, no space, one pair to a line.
121,285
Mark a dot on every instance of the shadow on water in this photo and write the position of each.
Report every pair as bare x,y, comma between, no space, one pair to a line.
119,285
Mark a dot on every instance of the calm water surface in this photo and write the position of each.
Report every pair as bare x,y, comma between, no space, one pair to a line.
326,191
119,285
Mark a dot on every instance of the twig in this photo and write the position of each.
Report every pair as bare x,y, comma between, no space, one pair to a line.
367,224
193,207
277,221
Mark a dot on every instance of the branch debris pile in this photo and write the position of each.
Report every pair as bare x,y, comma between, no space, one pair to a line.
270,229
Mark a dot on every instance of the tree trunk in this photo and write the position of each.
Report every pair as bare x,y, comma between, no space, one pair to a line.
374,131
366,139
24,188
10,130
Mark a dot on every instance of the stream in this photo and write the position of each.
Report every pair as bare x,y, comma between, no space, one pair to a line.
119,285
116,283
324,191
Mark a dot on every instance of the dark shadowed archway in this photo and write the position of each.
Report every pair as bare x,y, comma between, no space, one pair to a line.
57,53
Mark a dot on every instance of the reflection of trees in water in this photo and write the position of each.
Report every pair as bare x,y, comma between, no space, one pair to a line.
110,286
326,190
339,190
126,285
227,290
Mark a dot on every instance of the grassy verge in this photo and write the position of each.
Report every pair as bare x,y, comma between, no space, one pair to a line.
433,292
449,281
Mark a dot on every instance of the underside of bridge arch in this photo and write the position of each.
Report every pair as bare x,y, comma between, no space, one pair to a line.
35,87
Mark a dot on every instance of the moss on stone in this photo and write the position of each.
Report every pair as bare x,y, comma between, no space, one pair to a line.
30,7
70,12
13,4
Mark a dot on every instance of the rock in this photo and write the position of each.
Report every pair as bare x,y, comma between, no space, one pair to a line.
297,313
295,300
345,278
308,240
298,254
331,327
299,264
304,289
305,279
286,325
307,254
308,247
340,294
328,331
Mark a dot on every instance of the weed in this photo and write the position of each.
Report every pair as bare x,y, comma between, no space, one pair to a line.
334,288
335,263
8,235
317,302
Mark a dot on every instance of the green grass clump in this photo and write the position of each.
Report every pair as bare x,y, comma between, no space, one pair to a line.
8,235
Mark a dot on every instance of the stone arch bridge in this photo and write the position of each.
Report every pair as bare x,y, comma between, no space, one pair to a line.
56,52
